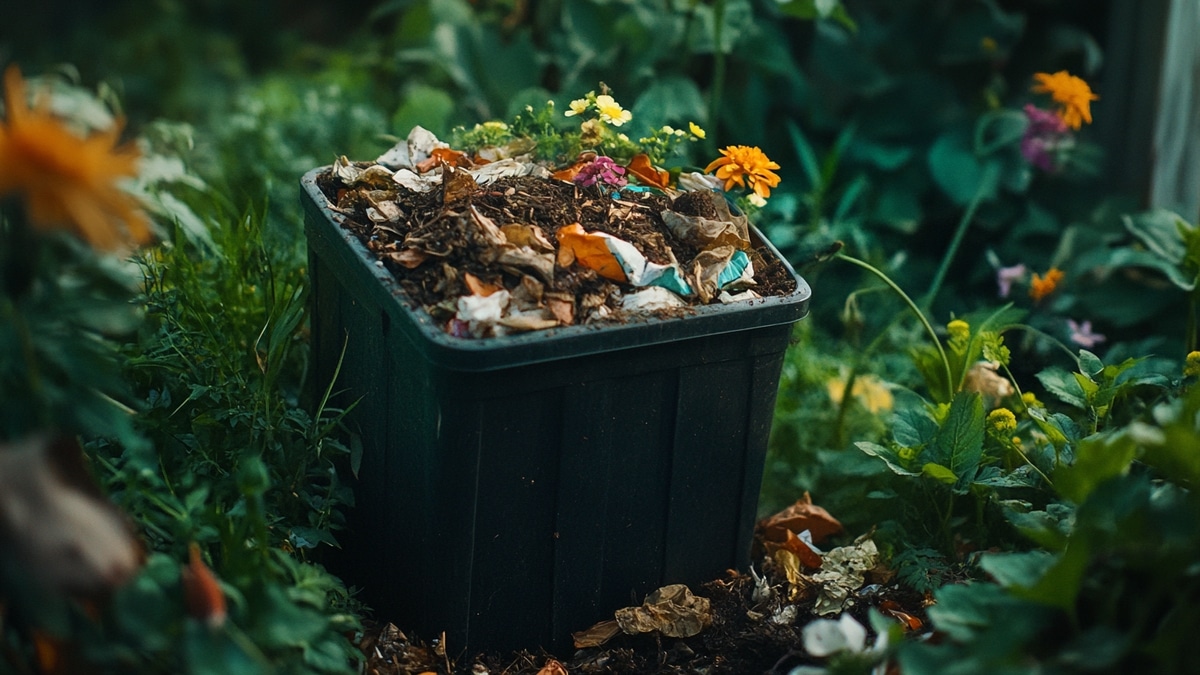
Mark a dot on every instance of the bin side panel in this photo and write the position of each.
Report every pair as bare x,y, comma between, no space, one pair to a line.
515,506
612,504
764,386
707,469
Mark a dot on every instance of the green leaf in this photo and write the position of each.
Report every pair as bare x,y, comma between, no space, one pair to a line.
888,455
913,427
959,443
958,171
808,158
1089,363
424,106
674,100
1059,586
939,473
1158,230
1017,569
1064,386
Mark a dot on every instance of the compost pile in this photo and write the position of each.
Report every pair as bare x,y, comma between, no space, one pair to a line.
493,247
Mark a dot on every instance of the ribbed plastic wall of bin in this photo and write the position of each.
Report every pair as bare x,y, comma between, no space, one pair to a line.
513,490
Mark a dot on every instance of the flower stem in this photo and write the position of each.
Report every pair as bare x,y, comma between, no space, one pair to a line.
915,309
718,81
985,186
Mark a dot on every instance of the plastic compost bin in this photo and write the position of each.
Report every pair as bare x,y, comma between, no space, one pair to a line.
514,490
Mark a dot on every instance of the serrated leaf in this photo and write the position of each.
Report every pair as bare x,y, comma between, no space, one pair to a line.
959,443
1062,384
888,456
913,427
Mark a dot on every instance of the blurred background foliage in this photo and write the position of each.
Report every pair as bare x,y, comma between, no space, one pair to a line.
895,122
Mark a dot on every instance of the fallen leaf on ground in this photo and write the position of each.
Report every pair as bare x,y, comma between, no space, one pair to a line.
597,635
552,667
801,516
671,611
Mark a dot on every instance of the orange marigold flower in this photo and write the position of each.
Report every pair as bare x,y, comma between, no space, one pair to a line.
67,181
742,164
1040,287
202,592
1071,93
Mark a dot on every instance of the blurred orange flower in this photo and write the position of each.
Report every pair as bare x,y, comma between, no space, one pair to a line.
1040,287
67,181
1071,93
742,164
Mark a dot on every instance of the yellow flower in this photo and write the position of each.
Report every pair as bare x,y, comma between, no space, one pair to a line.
578,107
67,181
872,392
1001,422
1191,366
959,330
742,164
696,130
1030,400
611,111
1071,93
1040,287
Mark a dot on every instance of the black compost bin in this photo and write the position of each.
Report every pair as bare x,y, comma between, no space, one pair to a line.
513,490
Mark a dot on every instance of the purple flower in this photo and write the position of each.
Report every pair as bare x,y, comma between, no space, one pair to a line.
1082,335
1005,276
601,170
1044,138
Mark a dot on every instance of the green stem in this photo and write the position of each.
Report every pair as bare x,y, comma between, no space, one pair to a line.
985,186
915,309
718,81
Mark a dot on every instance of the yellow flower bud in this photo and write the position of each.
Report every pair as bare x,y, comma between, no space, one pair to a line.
1001,422
1191,367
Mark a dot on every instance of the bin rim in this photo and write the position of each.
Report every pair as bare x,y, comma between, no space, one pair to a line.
324,228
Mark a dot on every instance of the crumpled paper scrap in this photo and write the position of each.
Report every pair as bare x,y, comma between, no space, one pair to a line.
615,259
671,611
724,230
843,571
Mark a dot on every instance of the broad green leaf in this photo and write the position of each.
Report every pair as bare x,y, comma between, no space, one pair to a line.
959,443
1089,363
674,100
424,106
1049,528
958,171
1097,459
913,427
1158,230
1064,386
939,473
1059,586
1017,569
888,455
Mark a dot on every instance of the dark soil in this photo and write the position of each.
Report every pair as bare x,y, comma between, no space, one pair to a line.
432,241
743,639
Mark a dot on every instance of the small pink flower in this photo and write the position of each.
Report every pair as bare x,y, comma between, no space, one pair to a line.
601,170
1005,276
1082,335
1043,139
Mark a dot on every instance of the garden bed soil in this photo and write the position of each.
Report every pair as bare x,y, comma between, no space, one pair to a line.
741,640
